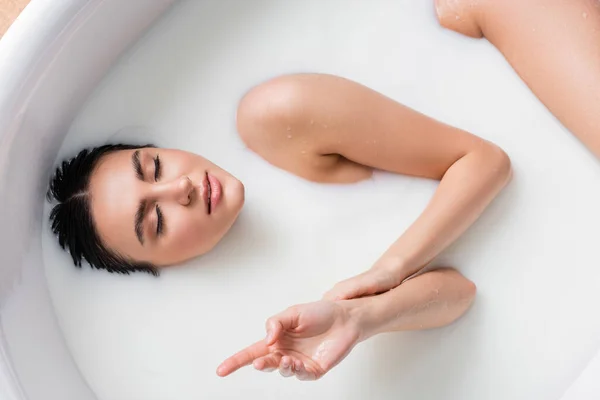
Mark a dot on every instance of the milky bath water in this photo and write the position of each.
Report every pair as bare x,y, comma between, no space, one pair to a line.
532,254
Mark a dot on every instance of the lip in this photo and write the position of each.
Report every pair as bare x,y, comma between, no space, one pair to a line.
205,193
213,193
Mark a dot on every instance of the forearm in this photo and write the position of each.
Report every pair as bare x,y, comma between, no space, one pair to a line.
465,190
554,46
430,300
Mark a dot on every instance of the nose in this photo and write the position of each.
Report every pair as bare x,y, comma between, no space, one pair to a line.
179,190
185,187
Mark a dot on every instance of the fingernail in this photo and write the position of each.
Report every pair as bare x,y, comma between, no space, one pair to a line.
269,336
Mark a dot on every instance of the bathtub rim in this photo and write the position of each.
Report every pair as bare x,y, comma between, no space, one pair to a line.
43,36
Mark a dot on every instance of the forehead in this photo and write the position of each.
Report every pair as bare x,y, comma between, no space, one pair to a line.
114,200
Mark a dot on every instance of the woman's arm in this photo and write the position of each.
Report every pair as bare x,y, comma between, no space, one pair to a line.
430,300
329,129
308,340
554,46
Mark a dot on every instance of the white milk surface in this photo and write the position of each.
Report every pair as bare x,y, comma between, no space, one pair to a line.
533,254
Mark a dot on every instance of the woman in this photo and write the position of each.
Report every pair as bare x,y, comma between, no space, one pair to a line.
553,46
125,208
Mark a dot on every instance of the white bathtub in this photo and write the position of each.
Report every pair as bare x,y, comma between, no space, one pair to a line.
50,61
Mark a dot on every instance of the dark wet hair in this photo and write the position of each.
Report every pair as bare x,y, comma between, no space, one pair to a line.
71,219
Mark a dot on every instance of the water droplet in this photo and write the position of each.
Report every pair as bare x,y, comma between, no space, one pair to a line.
457,17
325,126
289,136
312,122
584,15
303,152
289,128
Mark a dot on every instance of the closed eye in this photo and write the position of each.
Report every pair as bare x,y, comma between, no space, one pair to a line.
159,221
157,168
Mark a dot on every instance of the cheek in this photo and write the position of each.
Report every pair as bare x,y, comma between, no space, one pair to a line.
187,234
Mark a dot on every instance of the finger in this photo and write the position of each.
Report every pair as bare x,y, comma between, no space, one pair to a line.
301,372
243,358
344,290
267,363
286,320
368,283
285,367
274,329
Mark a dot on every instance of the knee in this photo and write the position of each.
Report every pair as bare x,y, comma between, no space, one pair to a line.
459,16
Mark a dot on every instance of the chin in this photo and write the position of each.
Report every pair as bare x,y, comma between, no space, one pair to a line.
237,193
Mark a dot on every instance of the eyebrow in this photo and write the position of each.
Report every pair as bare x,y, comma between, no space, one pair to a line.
137,165
139,221
142,207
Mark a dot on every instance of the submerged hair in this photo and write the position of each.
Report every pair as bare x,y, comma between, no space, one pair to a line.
71,219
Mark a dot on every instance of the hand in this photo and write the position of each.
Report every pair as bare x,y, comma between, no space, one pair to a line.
305,340
374,281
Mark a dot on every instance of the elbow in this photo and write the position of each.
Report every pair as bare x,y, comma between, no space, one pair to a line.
466,291
470,291
466,298
498,162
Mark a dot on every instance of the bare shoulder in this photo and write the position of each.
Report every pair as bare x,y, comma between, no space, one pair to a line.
285,122
330,129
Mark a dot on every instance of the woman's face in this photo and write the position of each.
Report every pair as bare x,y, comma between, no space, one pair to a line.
162,206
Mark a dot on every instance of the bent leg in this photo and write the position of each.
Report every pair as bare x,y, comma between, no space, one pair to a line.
554,46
